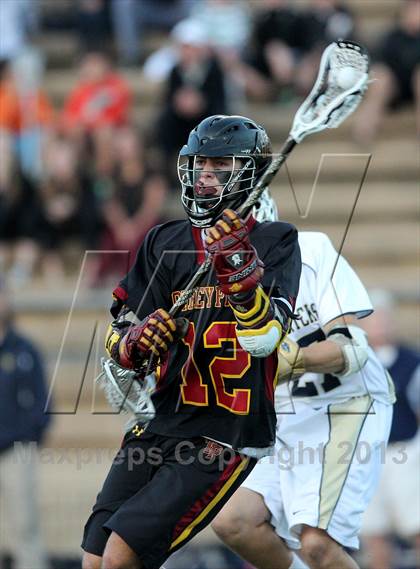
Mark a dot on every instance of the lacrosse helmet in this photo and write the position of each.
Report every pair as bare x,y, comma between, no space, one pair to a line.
266,209
215,137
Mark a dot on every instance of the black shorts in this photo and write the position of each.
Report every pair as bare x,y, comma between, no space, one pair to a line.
160,492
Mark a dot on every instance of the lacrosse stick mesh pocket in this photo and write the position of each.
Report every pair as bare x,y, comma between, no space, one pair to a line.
125,393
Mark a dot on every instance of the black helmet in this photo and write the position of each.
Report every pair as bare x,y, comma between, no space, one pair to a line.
222,136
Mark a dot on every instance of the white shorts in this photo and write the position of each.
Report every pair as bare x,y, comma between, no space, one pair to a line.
396,504
326,468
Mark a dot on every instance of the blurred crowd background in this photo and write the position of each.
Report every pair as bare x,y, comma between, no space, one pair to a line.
96,99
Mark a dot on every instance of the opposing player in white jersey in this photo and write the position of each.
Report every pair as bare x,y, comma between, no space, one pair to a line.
333,425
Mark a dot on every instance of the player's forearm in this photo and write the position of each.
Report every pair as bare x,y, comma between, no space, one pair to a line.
323,357
239,272
343,353
254,309
261,324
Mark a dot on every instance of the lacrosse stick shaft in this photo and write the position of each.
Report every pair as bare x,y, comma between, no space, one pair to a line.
333,114
267,177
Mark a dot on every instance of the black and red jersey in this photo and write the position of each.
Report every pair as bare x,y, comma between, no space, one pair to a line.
207,385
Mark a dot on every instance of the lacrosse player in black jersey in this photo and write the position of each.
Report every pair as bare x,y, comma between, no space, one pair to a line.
215,367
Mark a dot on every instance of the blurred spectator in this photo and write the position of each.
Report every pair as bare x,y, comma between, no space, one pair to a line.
9,113
228,26
93,23
287,44
396,74
131,19
223,26
226,22
132,205
18,225
36,116
99,104
195,89
274,48
395,509
159,64
23,423
67,210
26,115
17,21
323,22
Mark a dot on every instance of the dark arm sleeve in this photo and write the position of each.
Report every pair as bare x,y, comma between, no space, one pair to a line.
147,286
283,266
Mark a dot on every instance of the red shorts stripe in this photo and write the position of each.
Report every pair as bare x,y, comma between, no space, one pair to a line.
204,505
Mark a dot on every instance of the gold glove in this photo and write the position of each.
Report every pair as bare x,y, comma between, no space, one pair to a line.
291,362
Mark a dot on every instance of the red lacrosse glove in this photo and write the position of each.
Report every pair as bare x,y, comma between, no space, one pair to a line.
152,338
238,268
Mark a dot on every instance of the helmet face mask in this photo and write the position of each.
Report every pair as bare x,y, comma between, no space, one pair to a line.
229,185
238,151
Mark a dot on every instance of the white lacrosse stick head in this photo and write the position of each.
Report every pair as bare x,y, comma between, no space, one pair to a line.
266,208
125,393
342,79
